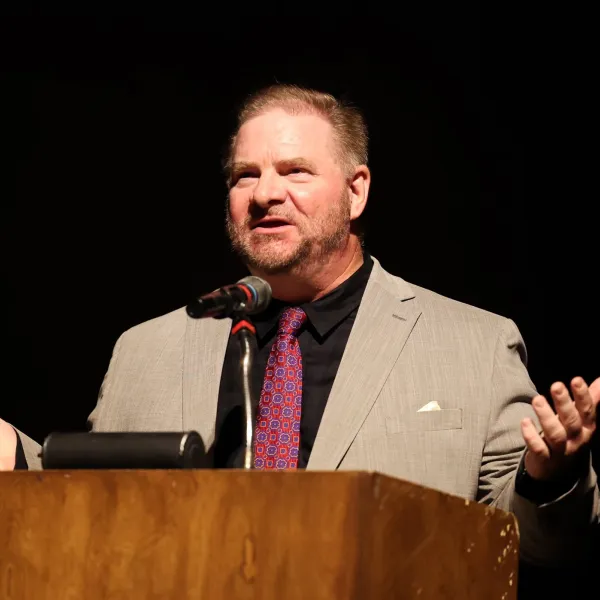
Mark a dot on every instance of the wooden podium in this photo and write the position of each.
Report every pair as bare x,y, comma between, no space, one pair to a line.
123,535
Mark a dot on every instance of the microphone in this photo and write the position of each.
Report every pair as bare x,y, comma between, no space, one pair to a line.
250,295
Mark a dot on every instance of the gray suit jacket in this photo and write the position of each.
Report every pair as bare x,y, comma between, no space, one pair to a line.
408,347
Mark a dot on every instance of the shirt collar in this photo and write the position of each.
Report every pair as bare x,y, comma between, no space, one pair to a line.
324,314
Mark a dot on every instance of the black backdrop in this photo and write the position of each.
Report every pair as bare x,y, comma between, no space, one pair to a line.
113,199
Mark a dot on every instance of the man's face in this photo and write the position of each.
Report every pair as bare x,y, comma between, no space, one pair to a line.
288,203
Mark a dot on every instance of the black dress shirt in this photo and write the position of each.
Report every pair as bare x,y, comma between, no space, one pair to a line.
20,461
322,343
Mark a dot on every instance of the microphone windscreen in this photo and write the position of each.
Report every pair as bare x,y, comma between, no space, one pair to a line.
262,290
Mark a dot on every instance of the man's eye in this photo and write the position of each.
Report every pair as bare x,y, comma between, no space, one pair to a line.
243,175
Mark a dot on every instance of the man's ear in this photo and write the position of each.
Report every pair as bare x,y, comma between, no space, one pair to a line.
359,191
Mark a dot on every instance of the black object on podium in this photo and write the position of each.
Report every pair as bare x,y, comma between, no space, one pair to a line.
124,450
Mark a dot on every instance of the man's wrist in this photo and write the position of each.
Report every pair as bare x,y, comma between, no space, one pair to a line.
543,491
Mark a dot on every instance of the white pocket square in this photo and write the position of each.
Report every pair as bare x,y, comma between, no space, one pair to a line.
433,405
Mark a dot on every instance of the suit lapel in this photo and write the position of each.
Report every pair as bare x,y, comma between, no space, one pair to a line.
385,319
204,354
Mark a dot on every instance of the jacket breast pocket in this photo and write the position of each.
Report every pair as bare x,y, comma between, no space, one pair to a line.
434,420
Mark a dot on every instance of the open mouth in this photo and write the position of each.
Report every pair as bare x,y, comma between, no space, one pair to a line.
271,224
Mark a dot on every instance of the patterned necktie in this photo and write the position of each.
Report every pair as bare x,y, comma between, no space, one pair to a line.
277,434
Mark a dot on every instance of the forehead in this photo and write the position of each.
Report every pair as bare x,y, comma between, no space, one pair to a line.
279,135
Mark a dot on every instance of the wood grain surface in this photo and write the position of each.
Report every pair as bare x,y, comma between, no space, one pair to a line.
122,535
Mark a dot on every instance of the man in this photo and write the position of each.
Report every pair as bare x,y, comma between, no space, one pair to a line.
356,368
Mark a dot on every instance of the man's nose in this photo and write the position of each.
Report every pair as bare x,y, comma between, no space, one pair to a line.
269,189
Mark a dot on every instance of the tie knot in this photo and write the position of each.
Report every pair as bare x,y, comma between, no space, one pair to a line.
291,321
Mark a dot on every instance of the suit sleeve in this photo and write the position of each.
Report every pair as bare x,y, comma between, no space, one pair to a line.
30,451
558,531
101,412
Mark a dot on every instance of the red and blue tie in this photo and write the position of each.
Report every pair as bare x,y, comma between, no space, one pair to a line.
277,434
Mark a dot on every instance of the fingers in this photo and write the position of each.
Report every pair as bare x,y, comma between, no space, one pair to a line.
584,402
566,409
554,432
535,444
595,391
565,431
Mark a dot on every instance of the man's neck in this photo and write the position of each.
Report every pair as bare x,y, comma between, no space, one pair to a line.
311,282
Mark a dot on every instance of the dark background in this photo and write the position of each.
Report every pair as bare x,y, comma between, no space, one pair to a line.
113,199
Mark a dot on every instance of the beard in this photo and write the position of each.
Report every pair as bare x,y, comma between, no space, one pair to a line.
272,255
